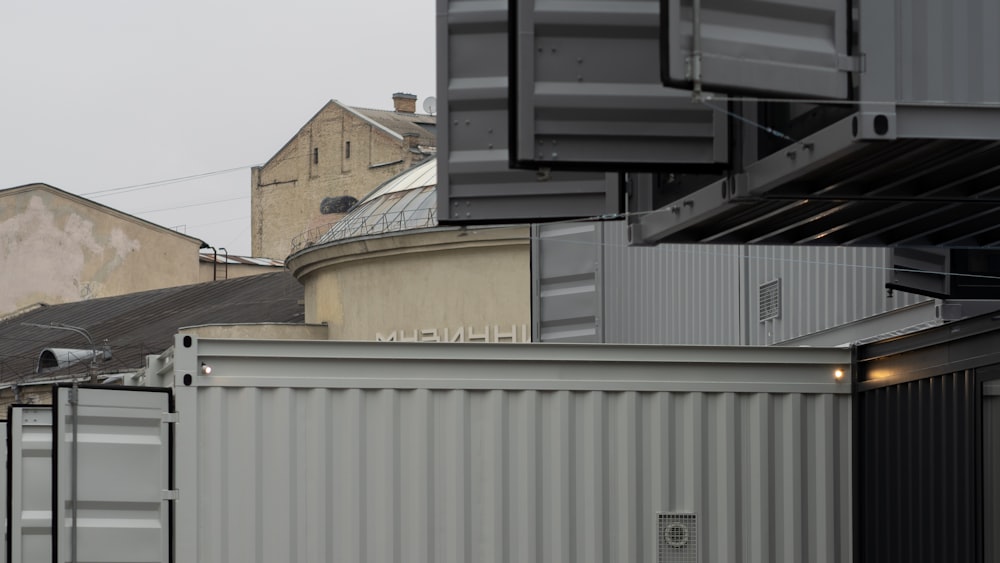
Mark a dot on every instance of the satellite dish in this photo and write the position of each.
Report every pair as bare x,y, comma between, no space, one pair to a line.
430,105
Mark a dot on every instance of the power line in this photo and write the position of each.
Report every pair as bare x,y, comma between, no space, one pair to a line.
159,183
233,220
190,205
179,179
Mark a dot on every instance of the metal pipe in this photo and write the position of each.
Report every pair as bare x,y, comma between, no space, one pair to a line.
74,405
696,50
225,267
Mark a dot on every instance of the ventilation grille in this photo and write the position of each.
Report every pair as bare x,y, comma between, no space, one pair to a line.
676,538
770,300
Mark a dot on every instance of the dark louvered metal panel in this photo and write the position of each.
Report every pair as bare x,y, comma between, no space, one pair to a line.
916,492
991,470
927,439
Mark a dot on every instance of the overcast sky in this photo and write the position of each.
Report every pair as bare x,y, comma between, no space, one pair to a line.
97,95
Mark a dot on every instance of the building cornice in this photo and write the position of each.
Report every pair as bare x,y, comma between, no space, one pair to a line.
437,239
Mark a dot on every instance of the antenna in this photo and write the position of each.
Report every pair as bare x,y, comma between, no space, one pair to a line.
430,105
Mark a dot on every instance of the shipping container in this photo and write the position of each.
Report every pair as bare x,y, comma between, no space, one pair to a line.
3,490
338,451
475,181
872,123
29,479
589,284
926,445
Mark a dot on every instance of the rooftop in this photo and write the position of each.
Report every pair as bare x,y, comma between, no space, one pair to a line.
421,125
144,323
405,202
80,200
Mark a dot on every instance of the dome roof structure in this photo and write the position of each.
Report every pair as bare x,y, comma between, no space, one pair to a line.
384,269
403,203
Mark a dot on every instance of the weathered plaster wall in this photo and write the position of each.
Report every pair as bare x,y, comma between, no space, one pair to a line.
421,286
56,249
287,191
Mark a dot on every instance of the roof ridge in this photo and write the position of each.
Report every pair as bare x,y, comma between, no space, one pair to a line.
392,111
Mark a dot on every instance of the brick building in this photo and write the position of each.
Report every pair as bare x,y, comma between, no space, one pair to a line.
335,159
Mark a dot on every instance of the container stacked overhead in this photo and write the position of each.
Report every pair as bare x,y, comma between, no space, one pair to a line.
806,122
888,138
475,183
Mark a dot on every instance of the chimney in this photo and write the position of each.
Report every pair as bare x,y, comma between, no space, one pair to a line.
412,139
404,103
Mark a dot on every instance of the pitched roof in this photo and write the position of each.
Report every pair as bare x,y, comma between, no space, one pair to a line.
144,323
404,123
38,186
394,122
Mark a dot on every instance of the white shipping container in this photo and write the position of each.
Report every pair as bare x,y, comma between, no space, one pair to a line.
29,504
3,490
334,451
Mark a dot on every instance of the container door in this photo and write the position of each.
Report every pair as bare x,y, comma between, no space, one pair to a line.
122,475
3,489
779,47
587,92
475,182
566,265
29,450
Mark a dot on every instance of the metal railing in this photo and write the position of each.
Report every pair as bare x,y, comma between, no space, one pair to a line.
360,226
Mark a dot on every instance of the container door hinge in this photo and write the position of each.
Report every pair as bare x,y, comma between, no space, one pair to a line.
170,494
170,417
847,63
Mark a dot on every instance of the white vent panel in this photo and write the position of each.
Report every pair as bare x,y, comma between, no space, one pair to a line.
676,538
769,300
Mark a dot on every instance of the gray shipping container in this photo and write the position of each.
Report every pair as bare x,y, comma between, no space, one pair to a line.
331,451
336,451
474,177
3,489
591,286
991,465
28,510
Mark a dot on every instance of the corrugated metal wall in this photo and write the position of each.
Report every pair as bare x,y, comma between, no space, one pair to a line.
821,287
947,50
3,490
991,470
709,294
423,475
916,448
670,294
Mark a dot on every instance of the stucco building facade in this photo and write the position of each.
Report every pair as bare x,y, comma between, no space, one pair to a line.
388,272
334,160
56,247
